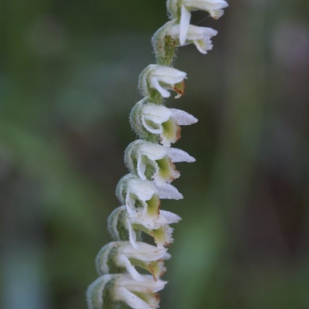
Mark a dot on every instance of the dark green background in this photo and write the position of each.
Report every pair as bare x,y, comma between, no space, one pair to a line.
68,79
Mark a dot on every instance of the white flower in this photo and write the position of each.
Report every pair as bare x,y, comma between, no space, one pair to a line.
183,9
162,235
162,78
108,289
153,161
143,196
122,226
121,254
199,36
167,37
156,122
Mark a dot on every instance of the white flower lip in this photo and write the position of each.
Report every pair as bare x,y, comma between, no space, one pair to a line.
162,79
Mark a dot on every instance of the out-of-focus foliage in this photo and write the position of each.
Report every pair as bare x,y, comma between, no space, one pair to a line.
68,79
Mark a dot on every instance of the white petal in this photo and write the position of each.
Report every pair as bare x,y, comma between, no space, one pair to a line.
143,79
130,202
195,32
141,168
153,151
132,234
130,299
169,217
150,128
182,118
125,262
167,256
165,218
201,47
143,189
148,286
102,259
216,14
95,291
156,114
178,155
168,191
113,221
155,84
184,24
206,5
173,31
145,252
168,75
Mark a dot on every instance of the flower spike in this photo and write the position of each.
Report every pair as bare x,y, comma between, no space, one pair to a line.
150,161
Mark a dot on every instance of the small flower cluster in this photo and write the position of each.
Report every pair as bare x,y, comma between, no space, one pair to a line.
150,162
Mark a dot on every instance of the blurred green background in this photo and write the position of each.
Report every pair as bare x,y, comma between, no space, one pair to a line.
68,80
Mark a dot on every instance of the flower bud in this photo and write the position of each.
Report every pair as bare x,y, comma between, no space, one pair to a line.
159,123
161,78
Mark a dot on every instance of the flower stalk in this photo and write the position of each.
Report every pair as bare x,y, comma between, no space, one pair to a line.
150,162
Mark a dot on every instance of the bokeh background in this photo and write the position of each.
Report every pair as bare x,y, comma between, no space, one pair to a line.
68,80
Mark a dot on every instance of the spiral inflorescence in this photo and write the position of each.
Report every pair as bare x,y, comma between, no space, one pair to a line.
150,162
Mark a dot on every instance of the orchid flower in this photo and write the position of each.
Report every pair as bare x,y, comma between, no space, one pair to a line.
110,289
183,9
154,162
159,123
162,78
199,36
133,226
167,38
119,255
143,196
